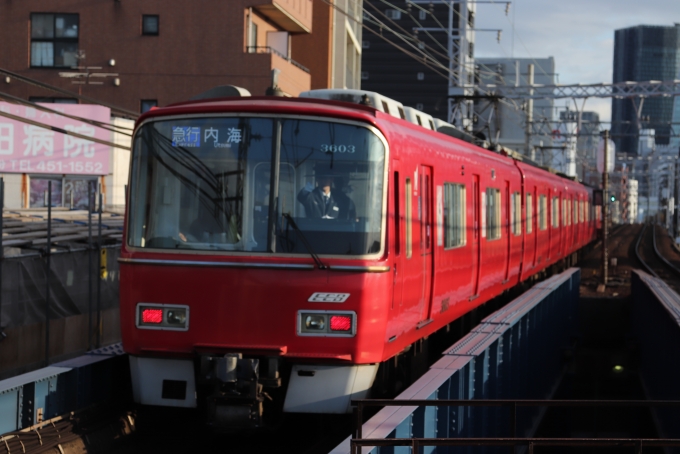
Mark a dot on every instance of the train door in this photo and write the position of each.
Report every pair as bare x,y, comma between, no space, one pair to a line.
534,221
426,206
398,232
508,237
476,242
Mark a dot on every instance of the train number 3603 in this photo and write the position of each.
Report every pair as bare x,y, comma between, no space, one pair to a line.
326,148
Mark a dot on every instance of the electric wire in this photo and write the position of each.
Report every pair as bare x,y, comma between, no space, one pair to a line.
108,126
46,86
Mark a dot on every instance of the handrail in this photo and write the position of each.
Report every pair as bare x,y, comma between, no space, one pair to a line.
271,50
358,441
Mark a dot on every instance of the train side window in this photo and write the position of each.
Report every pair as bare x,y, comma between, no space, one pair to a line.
516,213
555,212
409,218
530,213
574,211
454,215
493,214
543,212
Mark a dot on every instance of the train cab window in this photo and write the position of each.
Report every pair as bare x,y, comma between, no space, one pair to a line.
543,212
207,183
555,212
493,214
530,213
454,215
409,218
516,214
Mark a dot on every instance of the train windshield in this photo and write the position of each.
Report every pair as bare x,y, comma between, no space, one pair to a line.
207,184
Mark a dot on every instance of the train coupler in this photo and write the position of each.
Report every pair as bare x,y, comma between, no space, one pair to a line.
235,398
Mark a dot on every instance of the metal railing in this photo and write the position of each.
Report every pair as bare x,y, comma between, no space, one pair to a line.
357,441
271,50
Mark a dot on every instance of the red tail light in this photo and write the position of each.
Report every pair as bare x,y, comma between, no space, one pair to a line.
341,323
152,316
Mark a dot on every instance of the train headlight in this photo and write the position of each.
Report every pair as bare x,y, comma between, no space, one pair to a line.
326,323
176,316
162,316
315,322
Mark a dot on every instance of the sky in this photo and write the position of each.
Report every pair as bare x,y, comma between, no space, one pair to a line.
578,34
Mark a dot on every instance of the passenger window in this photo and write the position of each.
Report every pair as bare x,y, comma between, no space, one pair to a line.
556,212
516,213
493,213
530,213
543,213
454,215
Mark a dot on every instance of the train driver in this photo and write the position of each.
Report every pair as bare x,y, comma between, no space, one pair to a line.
323,203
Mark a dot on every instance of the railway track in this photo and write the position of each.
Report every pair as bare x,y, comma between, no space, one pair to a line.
653,260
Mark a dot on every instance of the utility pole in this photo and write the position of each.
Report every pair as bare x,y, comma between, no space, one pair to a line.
605,202
530,111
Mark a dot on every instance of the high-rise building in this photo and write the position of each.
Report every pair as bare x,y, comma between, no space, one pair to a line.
644,53
409,53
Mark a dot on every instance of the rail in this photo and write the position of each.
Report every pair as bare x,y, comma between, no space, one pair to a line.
658,254
271,50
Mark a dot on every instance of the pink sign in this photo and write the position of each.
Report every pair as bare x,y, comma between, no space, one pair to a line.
28,148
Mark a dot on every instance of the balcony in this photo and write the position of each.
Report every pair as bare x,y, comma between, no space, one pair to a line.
271,50
294,16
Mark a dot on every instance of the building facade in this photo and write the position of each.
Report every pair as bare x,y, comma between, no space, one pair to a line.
407,55
132,55
504,122
644,53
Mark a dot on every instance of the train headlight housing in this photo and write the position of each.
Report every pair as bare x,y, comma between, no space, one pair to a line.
326,323
162,316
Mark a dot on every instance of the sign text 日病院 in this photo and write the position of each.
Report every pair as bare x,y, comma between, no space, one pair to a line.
28,148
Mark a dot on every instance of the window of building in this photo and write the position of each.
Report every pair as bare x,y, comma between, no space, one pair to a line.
542,212
420,106
422,15
252,39
556,212
530,213
54,40
365,44
454,215
53,100
150,25
394,14
146,104
493,213
409,218
421,76
364,75
516,213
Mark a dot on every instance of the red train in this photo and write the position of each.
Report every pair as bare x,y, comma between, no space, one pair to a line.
297,244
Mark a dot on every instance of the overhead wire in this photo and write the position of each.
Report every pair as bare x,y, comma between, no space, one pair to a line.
90,100
108,126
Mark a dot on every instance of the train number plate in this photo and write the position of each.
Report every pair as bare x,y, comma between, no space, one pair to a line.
320,297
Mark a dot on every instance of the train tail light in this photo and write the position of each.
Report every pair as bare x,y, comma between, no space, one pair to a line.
341,322
152,316
326,323
162,316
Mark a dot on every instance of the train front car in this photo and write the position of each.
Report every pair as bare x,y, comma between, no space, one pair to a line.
254,258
